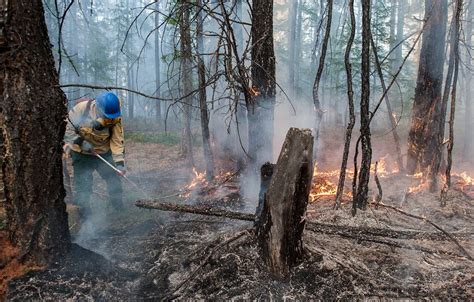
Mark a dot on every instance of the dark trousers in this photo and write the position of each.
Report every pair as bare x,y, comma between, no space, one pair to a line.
84,166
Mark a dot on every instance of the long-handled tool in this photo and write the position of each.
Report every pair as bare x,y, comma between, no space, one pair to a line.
120,173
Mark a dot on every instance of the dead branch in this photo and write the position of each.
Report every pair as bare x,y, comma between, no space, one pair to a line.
391,116
377,232
206,260
451,237
360,236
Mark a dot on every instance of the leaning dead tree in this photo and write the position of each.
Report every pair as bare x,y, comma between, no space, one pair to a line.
391,115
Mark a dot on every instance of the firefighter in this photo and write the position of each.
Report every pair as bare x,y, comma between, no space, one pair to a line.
94,127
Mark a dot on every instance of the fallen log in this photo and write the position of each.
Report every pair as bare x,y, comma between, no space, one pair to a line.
329,229
201,210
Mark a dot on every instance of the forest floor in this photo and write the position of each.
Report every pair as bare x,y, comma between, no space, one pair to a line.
149,254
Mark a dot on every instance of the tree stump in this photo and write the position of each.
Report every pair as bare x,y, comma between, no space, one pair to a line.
281,222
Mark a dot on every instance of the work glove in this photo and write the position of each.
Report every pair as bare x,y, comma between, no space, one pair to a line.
87,147
121,167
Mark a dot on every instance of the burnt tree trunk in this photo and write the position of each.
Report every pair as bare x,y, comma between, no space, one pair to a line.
261,109
428,87
282,220
350,98
157,64
206,138
298,42
186,80
33,113
435,129
361,195
468,115
292,46
319,73
454,56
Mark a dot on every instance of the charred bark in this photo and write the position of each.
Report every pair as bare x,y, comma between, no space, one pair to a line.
206,137
186,80
157,64
428,87
292,45
435,129
298,42
266,173
361,196
398,53
468,118
454,57
282,219
33,131
350,97
260,111
317,102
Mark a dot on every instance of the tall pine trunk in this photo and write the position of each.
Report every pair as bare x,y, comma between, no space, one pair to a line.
206,137
298,42
468,115
361,194
130,73
427,103
261,110
292,45
317,81
398,53
186,80
157,64
33,113
350,98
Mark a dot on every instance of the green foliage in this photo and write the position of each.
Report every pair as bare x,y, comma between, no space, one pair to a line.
169,138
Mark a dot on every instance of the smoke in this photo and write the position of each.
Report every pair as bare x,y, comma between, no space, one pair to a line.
88,234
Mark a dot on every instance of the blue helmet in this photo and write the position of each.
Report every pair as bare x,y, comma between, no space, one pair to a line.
108,105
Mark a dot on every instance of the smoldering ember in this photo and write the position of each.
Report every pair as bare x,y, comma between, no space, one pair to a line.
279,150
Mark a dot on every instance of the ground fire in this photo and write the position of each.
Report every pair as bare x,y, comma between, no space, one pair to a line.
182,150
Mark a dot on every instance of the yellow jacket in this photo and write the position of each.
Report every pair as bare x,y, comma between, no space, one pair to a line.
107,139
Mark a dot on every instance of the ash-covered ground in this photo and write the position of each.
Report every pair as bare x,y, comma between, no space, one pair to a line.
152,255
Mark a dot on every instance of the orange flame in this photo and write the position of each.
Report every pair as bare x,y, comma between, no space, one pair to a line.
199,179
324,183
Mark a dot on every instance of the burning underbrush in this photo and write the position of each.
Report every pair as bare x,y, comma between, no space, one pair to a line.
325,181
224,188
377,254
